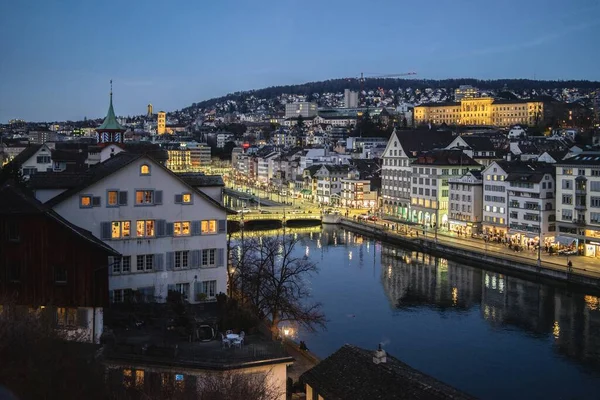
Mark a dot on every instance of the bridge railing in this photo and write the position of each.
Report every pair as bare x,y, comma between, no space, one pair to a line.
274,216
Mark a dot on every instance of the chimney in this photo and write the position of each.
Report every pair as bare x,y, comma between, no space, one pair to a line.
379,357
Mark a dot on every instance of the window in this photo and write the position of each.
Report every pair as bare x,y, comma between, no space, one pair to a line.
121,264
181,259
595,202
112,198
43,160
567,171
145,262
85,201
13,231
181,228
208,258
184,198
66,316
581,172
139,379
144,169
183,288
209,226
567,199
145,228
117,297
120,229
567,215
567,184
60,275
210,288
145,197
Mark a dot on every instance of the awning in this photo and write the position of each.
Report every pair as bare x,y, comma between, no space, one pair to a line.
565,240
306,191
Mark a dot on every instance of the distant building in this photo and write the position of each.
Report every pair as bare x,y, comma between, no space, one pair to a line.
302,109
465,91
350,98
223,138
150,111
161,123
200,155
41,136
482,111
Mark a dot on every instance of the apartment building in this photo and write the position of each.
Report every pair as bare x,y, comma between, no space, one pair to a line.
356,192
302,109
329,183
402,148
171,236
466,203
578,203
430,188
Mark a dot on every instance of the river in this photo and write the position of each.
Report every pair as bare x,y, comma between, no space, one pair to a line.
487,333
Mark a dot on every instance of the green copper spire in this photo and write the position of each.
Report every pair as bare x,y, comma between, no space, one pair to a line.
110,122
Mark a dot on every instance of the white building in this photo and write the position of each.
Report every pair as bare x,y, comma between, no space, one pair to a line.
466,203
578,203
172,236
265,167
33,159
329,185
357,193
223,138
350,98
530,196
302,109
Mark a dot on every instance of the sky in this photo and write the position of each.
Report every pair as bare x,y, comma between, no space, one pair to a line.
58,56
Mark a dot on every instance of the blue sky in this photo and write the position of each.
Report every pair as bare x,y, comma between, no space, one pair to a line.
57,56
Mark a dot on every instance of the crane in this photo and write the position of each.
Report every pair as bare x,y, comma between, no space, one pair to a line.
374,75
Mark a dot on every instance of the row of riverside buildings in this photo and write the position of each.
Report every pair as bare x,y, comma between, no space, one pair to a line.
465,184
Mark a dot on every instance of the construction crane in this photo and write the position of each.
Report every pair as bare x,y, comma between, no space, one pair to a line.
383,76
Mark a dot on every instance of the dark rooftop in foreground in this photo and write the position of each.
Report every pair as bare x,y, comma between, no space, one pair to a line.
198,179
149,340
351,374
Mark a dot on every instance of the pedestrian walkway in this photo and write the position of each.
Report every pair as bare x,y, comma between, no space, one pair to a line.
586,266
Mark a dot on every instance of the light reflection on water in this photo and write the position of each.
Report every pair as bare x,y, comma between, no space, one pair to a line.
488,333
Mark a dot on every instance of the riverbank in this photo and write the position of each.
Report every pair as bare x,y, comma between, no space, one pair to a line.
480,254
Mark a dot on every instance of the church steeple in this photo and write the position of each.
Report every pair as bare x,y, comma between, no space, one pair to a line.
110,131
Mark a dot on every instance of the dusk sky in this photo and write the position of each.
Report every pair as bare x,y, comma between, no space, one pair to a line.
57,57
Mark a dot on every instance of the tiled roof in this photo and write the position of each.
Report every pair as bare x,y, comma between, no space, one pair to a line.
14,201
445,157
198,179
351,374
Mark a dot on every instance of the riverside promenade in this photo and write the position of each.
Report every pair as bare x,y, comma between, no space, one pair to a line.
585,270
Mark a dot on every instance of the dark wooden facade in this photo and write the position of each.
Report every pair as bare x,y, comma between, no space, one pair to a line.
44,260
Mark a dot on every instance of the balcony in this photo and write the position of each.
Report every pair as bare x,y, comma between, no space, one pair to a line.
580,191
579,222
580,207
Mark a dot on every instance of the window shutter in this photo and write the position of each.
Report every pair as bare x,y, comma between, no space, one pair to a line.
222,225
123,198
95,201
159,262
105,230
158,196
220,257
178,199
170,260
169,229
195,261
160,227
196,228
82,317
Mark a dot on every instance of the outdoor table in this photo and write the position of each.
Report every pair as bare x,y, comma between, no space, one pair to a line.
232,336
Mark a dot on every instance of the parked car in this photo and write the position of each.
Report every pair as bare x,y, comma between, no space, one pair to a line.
372,218
265,212
244,210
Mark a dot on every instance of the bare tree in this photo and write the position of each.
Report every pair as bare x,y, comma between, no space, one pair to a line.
237,386
273,278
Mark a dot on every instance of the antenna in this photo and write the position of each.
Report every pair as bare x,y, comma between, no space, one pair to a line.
111,87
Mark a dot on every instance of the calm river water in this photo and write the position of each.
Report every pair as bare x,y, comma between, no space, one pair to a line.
490,334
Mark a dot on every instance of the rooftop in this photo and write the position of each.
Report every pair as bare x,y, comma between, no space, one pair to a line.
445,157
350,373
585,158
198,179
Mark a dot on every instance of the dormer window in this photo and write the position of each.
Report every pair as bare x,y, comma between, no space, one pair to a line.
145,169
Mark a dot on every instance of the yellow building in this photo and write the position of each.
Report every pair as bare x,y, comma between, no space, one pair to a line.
179,160
161,123
482,111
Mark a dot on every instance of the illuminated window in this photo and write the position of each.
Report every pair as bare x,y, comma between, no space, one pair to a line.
66,316
209,226
145,169
181,228
120,229
145,228
186,198
112,198
85,201
127,378
139,379
144,197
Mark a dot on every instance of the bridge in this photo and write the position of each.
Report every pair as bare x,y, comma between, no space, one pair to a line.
276,216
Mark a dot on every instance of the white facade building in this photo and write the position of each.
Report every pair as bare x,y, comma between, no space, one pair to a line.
466,203
223,138
329,185
172,237
302,109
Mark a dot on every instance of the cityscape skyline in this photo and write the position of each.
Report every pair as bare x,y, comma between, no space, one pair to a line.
194,53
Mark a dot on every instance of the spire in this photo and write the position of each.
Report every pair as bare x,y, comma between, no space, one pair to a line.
110,122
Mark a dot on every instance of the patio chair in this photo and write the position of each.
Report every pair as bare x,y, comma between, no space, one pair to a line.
242,334
238,342
224,341
228,332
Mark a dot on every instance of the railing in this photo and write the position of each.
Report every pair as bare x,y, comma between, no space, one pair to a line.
275,216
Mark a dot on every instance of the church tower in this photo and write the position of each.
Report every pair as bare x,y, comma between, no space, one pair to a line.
110,131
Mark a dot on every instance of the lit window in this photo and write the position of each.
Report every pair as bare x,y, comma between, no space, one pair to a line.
127,377
139,379
209,226
145,169
120,229
85,201
181,228
113,198
145,228
186,198
144,197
